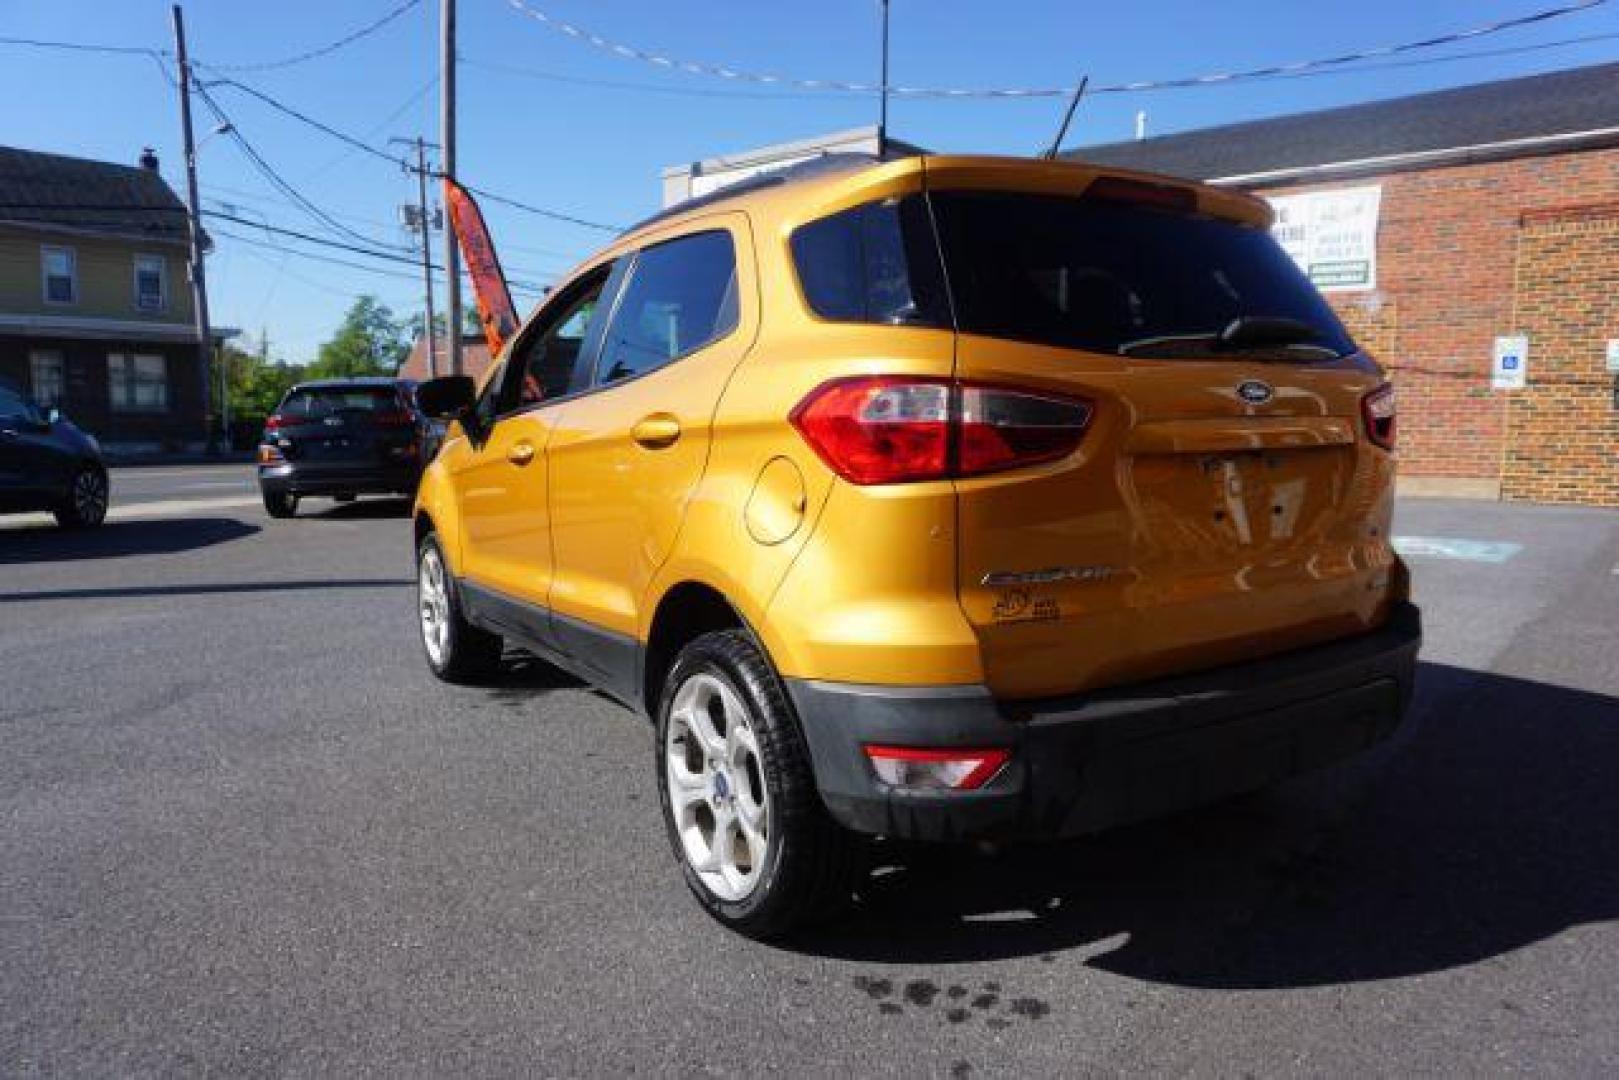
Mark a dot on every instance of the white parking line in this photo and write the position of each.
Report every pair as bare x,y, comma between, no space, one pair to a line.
159,508
1446,547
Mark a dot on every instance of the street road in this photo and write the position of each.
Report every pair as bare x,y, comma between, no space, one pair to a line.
242,830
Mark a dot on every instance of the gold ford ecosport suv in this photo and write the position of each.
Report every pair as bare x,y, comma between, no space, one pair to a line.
945,498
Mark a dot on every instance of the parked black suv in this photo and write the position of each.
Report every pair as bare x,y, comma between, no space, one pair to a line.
48,464
343,438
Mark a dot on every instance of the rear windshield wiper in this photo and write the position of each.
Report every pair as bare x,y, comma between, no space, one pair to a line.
1247,331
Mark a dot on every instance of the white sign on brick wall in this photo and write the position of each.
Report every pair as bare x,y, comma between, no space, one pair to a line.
1332,235
1511,368
1613,355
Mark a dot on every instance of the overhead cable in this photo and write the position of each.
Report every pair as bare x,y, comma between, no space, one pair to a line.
671,63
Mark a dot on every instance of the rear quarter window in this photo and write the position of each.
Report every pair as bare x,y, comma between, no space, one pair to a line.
874,263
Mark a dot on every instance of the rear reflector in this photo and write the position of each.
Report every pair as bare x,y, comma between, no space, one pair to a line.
1377,409
885,429
936,769
269,455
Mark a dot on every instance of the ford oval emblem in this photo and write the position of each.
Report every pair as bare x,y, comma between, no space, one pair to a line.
1255,392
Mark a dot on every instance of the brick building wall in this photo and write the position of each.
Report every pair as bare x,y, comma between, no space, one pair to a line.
1562,437
1455,246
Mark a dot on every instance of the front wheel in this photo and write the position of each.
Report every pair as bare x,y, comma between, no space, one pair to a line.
457,651
86,502
754,842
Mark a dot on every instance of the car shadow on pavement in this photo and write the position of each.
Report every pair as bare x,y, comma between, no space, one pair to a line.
523,677
1488,825
116,539
358,510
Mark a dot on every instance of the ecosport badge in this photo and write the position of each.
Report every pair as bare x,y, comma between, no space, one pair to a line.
1255,392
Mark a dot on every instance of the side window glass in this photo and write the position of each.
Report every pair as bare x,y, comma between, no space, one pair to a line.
13,405
542,365
681,296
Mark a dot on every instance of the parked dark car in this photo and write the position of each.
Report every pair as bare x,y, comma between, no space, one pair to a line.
342,438
48,464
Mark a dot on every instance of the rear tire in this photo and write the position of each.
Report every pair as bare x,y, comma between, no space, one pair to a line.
756,846
457,651
85,506
280,504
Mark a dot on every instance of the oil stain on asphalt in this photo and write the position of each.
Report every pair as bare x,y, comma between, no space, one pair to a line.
960,1003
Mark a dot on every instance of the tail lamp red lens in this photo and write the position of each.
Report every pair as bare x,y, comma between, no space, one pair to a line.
936,769
1378,411
275,422
886,429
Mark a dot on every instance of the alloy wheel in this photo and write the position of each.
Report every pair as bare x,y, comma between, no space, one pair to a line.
90,496
434,594
717,790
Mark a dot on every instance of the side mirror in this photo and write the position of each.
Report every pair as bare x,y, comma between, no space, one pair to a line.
448,397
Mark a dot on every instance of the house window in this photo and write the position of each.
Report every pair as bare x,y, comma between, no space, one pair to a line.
48,377
60,270
151,290
136,383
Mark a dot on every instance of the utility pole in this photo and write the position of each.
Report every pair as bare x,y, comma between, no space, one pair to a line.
424,220
452,255
882,115
199,284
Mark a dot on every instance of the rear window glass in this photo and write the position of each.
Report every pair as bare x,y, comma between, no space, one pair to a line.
1113,277
874,263
318,401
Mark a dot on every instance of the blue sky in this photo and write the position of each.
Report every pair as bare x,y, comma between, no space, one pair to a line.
595,151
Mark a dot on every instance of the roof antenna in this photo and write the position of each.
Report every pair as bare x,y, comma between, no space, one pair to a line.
1067,118
882,114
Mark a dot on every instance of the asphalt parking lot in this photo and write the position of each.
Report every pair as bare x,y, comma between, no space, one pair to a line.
243,830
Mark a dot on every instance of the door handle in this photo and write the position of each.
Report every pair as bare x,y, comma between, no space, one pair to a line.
521,454
656,431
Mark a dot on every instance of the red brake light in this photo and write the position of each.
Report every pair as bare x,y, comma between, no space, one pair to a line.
393,418
893,429
1378,411
275,422
1178,200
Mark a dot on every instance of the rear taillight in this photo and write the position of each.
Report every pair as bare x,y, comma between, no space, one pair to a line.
270,455
1377,409
886,429
929,769
275,422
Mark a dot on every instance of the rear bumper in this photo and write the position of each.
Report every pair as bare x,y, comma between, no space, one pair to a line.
1097,760
364,479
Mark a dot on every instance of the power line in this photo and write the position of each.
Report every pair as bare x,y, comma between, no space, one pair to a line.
275,178
80,46
386,256
515,204
671,63
383,155
325,50
351,141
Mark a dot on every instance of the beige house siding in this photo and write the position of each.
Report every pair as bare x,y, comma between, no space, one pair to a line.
106,273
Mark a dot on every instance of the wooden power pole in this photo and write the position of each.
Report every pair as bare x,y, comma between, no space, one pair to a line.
199,283
452,255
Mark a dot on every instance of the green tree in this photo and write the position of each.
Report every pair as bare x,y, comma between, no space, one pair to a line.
255,383
370,341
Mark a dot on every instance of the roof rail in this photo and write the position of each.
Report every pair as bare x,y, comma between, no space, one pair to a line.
819,165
